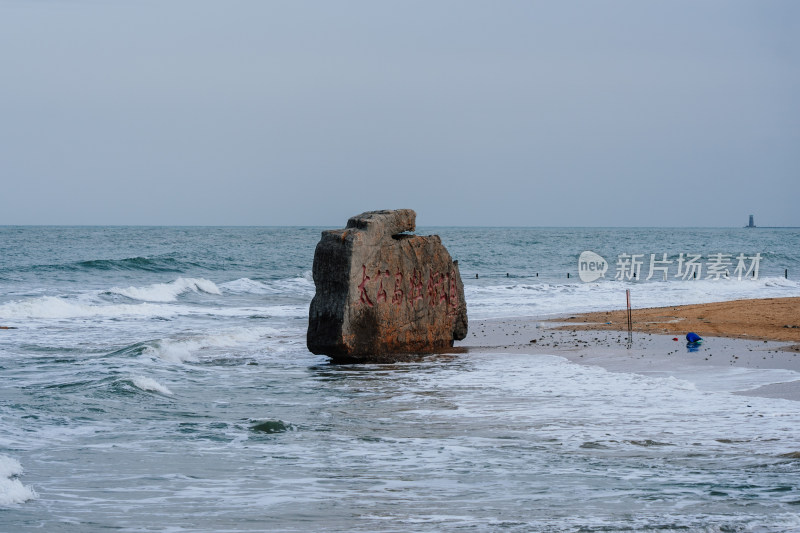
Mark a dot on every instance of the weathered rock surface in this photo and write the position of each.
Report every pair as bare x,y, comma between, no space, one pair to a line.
382,294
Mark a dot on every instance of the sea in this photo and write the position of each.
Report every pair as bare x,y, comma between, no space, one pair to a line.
157,379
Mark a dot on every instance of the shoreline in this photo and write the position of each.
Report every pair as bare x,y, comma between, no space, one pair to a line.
740,364
770,319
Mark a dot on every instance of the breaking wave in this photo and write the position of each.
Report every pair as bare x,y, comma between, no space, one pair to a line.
167,292
189,349
301,285
151,385
56,307
12,491
88,305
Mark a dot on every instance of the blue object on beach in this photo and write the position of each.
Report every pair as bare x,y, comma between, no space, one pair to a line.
693,337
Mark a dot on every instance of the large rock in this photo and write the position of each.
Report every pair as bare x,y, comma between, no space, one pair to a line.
383,294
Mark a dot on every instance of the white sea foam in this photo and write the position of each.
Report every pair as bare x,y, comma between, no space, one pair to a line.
168,292
173,351
569,400
247,286
56,308
730,379
9,467
542,298
59,308
299,286
12,491
297,311
149,384
188,349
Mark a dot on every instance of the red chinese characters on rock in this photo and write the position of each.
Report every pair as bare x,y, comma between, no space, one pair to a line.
397,298
381,297
363,297
434,286
440,288
453,293
415,287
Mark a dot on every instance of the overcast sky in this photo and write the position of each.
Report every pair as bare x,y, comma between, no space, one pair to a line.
526,113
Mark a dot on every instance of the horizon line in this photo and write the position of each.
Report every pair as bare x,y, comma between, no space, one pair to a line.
332,226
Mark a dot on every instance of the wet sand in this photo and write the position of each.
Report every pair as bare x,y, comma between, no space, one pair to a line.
759,359
776,319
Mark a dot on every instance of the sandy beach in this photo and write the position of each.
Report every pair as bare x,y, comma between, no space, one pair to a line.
776,319
746,348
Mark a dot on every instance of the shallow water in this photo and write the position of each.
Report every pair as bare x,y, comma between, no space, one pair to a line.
159,381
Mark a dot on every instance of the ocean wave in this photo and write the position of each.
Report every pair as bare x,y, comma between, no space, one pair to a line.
188,349
12,491
144,264
167,292
151,385
543,298
247,286
147,264
54,307
301,285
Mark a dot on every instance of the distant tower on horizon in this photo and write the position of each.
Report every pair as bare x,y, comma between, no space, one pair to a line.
751,224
